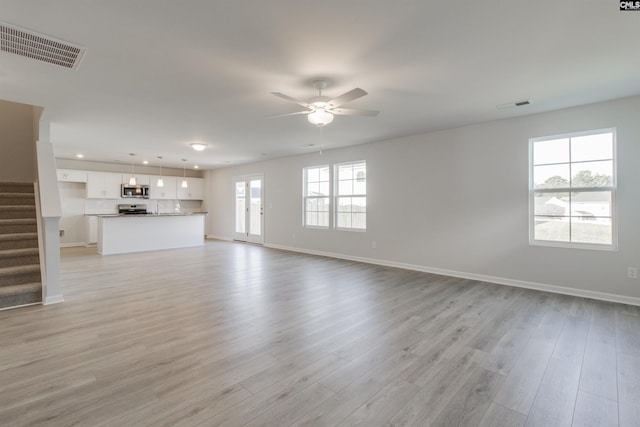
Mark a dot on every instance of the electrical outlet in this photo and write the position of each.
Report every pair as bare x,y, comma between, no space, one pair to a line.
632,272
61,233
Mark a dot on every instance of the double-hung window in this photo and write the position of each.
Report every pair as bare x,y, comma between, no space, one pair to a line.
351,196
347,195
572,188
316,196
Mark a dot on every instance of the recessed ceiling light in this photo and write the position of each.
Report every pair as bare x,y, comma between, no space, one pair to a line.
79,155
198,146
145,162
196,166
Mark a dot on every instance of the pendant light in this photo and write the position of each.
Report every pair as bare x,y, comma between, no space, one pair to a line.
160,182
132,180
185,184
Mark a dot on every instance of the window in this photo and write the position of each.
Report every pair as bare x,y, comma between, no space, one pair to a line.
572,190
316,196
351,196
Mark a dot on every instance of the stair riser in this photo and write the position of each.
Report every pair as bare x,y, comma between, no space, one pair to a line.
19,260
8,187
17,201
17,213
18,228
19,279
19,244
22,299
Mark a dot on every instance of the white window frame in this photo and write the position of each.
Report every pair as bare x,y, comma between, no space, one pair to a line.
337,196
612,189
306,197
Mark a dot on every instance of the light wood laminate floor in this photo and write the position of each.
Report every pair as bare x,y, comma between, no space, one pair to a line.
231,334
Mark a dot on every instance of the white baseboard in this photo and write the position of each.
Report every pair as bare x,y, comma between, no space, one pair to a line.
72,245
55,299
225,238
20,306
603,296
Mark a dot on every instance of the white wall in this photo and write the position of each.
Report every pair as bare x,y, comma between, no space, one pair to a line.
464,194
18,142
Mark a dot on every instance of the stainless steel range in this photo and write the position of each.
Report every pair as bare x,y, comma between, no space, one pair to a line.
132,209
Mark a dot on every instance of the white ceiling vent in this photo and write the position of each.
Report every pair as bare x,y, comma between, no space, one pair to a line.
39,47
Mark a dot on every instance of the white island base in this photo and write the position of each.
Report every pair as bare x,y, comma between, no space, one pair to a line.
119,234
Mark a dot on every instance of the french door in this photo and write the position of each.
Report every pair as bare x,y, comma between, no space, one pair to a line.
249,212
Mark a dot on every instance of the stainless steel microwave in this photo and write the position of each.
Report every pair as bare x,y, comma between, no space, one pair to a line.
135,191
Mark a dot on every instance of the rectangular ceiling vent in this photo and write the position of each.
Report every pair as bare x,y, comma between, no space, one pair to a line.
39,47
515,104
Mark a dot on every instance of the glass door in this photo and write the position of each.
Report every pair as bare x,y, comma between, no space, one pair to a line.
249,210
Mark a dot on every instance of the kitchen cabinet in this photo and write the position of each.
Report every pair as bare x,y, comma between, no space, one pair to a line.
92,230
106,185
140,179
103,185
69,175
167,192
138,233
194,191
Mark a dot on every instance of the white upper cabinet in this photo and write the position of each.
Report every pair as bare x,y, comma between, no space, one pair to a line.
107,185
166,192
70,175
140,179
194,191
103,185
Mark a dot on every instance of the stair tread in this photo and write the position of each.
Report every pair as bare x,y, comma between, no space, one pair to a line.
19,269
20,289
14,194
12,221
17,207
10,253
18,236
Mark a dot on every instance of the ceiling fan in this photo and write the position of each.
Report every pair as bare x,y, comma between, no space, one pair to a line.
321,109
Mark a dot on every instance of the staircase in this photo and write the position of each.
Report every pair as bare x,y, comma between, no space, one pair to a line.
20,280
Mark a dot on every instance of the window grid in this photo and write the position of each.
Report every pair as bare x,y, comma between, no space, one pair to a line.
577,209
316,197
351,196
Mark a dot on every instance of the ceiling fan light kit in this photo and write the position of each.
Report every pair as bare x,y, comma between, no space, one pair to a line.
320,117
322,109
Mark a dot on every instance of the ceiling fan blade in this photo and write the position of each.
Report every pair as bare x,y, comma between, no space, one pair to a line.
290,99
346,97
352,112
288,114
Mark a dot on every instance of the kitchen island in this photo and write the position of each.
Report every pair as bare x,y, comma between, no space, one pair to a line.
119,234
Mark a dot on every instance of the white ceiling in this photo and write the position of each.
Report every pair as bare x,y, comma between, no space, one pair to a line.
159,74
